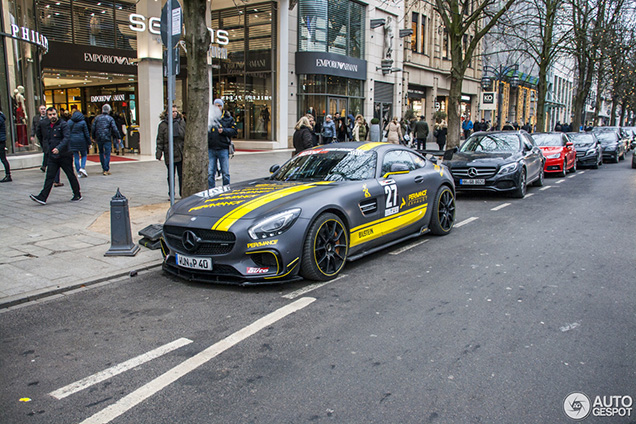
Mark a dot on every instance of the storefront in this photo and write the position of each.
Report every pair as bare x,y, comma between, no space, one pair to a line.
417,99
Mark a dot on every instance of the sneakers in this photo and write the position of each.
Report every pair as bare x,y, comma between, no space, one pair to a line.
58,184
106,173
83,172
36,199
6,179
76,198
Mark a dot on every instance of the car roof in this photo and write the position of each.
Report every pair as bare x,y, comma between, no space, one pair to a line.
360,145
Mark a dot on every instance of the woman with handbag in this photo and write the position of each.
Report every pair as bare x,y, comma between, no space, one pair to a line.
393,131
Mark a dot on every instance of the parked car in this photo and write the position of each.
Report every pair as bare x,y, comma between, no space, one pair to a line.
613,145
501,161
589,151
325,206
622,141
558,150
634,160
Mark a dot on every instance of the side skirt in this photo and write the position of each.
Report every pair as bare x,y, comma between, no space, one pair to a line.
423,230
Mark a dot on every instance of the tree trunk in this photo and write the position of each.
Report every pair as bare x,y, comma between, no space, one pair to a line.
455,96
195,161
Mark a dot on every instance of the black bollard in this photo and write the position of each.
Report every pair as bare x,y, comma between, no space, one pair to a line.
121,243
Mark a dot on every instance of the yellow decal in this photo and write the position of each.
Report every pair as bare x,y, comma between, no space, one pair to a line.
369,146
416,198
262,243
403,202
213,205
439,169
365,189
290,268
387,225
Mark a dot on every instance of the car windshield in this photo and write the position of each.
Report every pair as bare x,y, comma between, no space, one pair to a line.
553,140
329,165
491,143
581,138
607,137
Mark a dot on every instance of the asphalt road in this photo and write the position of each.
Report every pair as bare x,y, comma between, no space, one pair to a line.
495,323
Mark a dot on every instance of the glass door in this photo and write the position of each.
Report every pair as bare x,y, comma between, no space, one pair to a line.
338,105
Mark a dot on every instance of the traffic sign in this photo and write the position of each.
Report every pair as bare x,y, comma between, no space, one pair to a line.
171,28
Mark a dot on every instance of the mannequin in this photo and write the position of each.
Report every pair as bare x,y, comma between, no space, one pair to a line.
19,99
20,117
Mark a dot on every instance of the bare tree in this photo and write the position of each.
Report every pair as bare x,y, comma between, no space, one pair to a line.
197,38
462,17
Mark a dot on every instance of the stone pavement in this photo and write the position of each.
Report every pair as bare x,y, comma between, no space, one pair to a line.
51,249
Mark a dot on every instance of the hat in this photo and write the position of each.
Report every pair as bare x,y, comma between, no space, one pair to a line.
218,102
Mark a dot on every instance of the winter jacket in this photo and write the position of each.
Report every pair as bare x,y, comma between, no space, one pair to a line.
361,132
394,132
467,125
56,136
221,141
329,129
420,130
80,139
3,129
178,137
302,139
104,128
440,134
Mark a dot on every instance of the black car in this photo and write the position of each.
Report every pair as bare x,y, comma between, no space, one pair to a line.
613,145
589,151
324,207
502,161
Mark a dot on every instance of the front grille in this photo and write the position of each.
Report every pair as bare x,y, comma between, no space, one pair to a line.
212,242
482,171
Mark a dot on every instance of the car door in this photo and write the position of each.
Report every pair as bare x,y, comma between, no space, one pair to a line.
532,156
570,152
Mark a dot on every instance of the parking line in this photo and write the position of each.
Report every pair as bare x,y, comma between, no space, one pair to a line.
405,248
496,208
581,172
118,369
311,287
545,188
135,398
560,181
529,195
572,176
466,221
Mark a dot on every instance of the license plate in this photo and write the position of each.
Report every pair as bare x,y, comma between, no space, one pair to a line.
474,181
194,263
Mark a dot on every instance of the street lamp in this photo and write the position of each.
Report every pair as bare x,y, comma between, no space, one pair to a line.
500,75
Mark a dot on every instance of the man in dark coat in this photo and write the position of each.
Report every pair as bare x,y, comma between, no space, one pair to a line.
57,139
3,151
104,131
420,132
35,124
219,141
178,140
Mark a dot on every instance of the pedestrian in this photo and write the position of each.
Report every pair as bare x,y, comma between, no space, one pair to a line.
3,149
527,128
341,128
441,130
393,131
420,132
314,136
80,141
120,121
57,139
360,130
40,131
508,127
104,131
467,126
219,142
302,136
328,130
178,140
557,127
35,123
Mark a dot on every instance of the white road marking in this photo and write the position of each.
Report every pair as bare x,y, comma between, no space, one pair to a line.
572,176
118,369
560,181
405,248
503,205
311,287
466,221
129,401
581,172
529,195
545,188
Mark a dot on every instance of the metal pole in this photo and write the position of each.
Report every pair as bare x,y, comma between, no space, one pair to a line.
171,84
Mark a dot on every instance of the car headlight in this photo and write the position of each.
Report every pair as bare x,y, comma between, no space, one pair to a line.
274,225
554,156
590,152
508,169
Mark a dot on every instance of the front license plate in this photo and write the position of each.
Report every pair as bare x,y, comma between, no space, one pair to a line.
194,263
474,181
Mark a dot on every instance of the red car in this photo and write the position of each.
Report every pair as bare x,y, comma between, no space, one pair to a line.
558,150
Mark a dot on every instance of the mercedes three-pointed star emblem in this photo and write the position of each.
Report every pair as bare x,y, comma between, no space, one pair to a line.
190,241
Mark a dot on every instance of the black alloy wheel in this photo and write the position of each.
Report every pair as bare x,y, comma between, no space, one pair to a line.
325,249
541,180
443,217
520,191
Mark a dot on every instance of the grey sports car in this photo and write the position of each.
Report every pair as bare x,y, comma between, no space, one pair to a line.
325,206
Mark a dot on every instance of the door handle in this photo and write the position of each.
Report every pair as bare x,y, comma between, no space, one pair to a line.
419,179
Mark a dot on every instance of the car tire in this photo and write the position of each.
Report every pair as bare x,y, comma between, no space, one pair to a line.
622,157
541,180
597,163
565,168
573,169
325,249
443,217
634,160
617,159
520,191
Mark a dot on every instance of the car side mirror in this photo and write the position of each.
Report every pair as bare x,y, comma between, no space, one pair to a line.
274,169
569,144
448,154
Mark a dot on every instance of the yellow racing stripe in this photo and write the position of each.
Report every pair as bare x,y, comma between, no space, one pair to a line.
387,225
369,146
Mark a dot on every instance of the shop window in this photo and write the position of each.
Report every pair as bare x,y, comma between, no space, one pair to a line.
55,20
423,36
414,26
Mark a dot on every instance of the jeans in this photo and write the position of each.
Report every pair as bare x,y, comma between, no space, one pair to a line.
104,154
76,156
223,156
178,173
53,168
420,143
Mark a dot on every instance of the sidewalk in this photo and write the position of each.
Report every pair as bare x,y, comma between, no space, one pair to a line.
45,250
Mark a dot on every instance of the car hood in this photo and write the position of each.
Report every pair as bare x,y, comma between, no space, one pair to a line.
247,200
583,146
484,159
551,150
